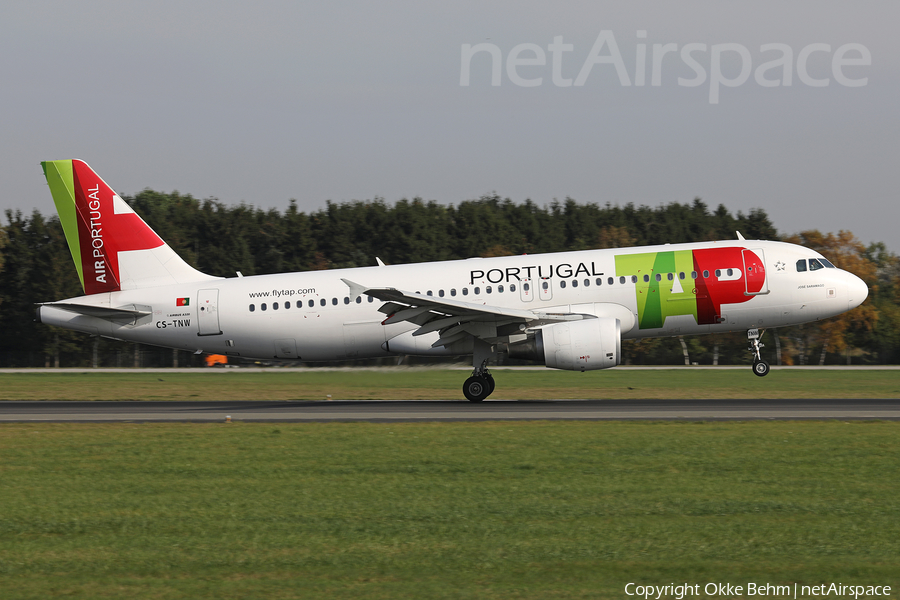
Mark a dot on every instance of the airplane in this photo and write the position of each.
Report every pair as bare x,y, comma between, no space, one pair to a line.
566,310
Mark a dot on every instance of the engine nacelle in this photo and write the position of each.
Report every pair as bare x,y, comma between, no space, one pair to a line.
575,346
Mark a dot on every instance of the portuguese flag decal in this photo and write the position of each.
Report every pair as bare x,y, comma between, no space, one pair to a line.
182,301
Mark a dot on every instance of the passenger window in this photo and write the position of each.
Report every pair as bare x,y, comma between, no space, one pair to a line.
262,306
670,276
512,287
659,277
359,299
453,291
441,293
312,303
646,278
693,274
274,306
610,281
252,307
622,279
487,290
476,290
587,283
346,300
634,279
371,299
815,265
428,293
562,284
334,301
499,289
287,304
600,281
801,265
705,274
322,301
729,272
574,283
526,286
718,272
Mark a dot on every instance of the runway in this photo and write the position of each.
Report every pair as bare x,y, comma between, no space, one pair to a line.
416,411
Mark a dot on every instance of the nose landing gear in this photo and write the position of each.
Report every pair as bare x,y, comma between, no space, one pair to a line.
760,367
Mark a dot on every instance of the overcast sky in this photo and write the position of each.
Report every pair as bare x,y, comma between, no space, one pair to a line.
267,101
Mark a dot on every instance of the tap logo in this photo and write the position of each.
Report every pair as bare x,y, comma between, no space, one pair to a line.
691,282
98,224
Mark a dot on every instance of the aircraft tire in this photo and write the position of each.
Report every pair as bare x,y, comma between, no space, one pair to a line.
476,389
491,384
760,368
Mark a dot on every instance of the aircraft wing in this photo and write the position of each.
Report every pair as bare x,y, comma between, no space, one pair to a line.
455,319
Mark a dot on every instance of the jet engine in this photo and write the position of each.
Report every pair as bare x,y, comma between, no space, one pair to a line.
575,345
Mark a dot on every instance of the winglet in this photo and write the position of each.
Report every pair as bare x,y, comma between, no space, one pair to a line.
380,262
740,237
356,290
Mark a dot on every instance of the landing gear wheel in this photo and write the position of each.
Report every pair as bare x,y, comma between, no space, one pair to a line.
476,389
760,368
490,381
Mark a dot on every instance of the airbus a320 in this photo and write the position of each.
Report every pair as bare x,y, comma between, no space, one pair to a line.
566,310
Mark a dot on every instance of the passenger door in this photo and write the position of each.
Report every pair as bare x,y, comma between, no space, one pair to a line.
755,281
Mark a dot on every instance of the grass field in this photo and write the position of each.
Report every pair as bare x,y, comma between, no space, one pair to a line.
431,384
454,510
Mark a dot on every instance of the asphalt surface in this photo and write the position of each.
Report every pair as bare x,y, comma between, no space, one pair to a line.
414,411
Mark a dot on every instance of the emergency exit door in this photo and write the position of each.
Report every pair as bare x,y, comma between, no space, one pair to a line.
208,312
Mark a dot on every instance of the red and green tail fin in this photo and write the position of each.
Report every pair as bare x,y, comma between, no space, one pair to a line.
113,248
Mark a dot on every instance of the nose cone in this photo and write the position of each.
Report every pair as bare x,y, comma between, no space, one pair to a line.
857,291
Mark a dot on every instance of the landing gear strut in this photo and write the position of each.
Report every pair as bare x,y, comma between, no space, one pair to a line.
760,367
481,384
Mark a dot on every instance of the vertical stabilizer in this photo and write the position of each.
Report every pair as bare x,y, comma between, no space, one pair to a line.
113,248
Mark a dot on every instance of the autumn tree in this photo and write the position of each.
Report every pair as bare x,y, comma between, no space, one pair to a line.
847,253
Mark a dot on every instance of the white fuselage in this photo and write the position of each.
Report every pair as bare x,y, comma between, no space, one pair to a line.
311,316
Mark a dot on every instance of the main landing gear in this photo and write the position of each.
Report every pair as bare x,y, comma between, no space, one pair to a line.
481,384
760,367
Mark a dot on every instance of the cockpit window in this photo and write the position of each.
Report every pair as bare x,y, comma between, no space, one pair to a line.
801,265
827,263
815,265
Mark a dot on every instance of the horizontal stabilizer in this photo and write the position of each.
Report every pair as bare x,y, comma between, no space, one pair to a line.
101,312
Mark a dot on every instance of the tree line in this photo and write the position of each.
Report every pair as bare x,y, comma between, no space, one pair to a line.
35,265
